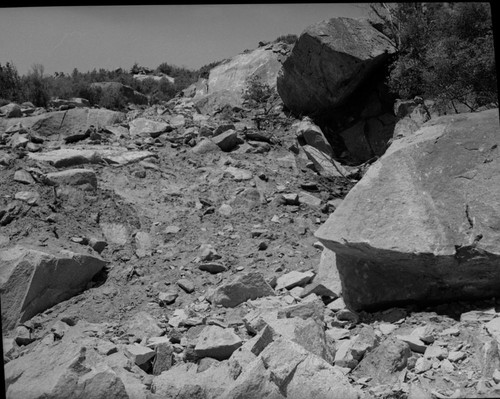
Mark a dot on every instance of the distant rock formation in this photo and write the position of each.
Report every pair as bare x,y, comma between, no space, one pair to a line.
227,81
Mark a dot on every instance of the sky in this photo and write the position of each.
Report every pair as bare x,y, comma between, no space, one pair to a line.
110,37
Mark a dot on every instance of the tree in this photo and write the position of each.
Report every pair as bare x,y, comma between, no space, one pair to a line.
36,86
444,51
10,83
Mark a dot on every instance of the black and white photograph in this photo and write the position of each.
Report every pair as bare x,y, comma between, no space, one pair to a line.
250,201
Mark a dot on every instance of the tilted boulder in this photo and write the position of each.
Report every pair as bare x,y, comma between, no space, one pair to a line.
31,281
329,62
424,223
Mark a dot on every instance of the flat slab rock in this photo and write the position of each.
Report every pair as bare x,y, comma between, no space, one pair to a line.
74,156
424,223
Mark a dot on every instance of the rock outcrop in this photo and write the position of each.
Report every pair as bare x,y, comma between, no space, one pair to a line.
329,62
423,223
68,126
32,280
227,81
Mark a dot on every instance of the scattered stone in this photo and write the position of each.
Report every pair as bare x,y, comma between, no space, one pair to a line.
23,336
30,197
291,199
172,229
416,345
318,289
387,328
496,376
97,244
262,246
216,342
455,356
142,127
164,356
294,279
226,141
435,351
493,327
225,210
309,199
244,287
186,285
212,267
167,298
205,146
447,366
422,365
115,233
139,354
178,317
385,362
239,174
347,315
106,348
337,334
344,357
144,244
424,333
73,177
24,177
142,325
453,331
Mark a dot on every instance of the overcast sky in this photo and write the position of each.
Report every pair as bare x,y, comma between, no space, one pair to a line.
88,37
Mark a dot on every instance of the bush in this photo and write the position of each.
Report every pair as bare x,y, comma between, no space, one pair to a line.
289,39
112,99
445,51
10,83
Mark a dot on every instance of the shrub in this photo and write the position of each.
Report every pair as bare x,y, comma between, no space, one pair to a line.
10,83
445,51
289,39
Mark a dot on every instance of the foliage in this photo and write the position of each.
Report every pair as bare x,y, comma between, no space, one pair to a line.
257,93
36,88
10,83
290,39
445,51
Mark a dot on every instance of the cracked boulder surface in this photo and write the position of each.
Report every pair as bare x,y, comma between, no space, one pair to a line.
423,225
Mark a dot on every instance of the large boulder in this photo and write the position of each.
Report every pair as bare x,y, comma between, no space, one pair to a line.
62,125
329,62
227,81
424,223
32,281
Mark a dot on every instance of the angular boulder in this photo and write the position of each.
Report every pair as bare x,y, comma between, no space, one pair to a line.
424,223
144,127
247,286
32,281
329,62
217,342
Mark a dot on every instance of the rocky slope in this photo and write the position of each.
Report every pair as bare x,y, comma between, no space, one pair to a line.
168,253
